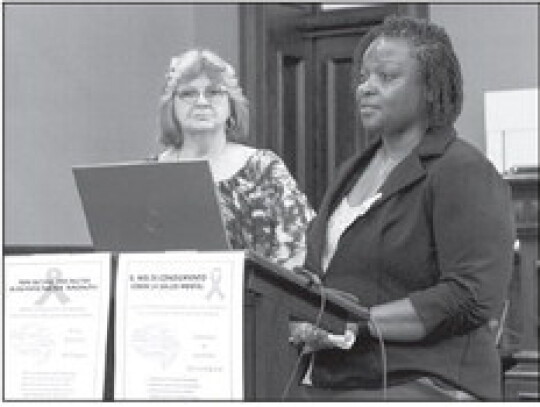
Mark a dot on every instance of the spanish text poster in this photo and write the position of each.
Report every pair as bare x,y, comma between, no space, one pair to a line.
56,312
179,326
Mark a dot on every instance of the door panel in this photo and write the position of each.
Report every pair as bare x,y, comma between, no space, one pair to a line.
336,122
291,137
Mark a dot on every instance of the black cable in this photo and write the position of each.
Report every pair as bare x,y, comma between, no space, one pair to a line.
293,373
315,280
383,358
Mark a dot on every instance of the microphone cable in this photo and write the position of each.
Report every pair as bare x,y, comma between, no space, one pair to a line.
383,357
314,280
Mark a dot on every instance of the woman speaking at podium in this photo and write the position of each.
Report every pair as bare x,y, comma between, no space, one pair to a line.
418,227
204,114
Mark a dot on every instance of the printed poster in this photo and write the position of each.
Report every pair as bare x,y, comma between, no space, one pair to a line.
179,326
55,331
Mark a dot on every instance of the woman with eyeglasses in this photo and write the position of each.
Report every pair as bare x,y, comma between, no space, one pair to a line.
204,114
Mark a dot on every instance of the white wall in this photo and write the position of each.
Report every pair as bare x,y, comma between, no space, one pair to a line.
81,85
497,45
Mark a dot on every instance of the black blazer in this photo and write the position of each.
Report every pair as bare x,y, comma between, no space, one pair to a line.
441,234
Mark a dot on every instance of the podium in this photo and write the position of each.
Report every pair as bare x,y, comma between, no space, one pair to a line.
274,296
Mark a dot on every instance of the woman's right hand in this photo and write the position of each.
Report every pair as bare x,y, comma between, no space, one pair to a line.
314,338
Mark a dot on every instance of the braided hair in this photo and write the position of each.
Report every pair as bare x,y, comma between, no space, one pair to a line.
440,68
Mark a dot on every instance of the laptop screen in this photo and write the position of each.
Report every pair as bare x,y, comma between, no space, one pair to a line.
151,206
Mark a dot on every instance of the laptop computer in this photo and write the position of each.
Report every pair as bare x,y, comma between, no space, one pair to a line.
151,206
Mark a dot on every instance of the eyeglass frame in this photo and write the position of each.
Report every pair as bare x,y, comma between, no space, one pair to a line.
191,95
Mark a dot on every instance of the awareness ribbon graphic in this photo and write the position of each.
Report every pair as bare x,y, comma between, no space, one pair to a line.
215,278
52,274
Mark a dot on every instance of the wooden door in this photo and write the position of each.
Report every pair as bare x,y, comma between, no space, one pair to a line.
336,128
296,63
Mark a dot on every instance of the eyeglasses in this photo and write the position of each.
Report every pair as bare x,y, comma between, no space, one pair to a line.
211,94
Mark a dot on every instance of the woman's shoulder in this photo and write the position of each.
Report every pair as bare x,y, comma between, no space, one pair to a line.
463,160
258,158
269,164
260,164
241,149
248,151
462,153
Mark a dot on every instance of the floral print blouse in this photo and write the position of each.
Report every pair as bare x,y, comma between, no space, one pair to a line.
263,209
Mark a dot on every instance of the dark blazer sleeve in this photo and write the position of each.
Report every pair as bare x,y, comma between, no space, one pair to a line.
473,235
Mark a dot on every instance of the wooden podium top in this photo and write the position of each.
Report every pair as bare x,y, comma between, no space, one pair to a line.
306,287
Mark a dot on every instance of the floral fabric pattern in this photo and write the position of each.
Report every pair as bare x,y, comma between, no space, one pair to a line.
263,209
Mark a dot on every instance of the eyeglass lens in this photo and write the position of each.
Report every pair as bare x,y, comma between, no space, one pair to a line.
211,93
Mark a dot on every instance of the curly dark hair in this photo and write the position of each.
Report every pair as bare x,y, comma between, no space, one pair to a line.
439,65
